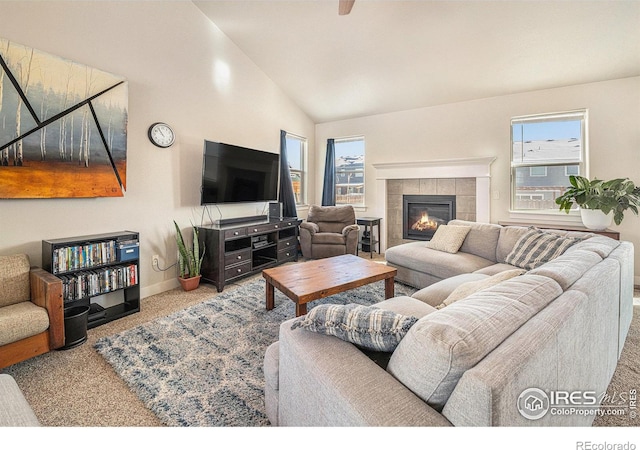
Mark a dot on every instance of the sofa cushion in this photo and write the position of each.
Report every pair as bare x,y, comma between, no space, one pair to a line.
331,219
508,238
568,268
448,238
416,256
365,326
14,279
470,287
481,240
407,306
511,234
495,268
440,347
602,245
435,294
537,247
22,320
328,238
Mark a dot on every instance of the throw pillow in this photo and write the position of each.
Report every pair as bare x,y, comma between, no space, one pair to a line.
470,287
365,326
448,238
537,247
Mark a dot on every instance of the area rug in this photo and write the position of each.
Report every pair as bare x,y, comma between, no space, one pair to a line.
202,366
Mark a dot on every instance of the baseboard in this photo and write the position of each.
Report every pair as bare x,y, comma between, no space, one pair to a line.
158,288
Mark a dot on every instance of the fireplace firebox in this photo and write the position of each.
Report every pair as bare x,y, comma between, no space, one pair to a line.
423,214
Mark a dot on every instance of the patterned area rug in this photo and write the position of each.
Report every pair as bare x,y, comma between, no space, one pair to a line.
202,366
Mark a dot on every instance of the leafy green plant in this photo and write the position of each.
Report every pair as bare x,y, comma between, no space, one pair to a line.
189,258
616,195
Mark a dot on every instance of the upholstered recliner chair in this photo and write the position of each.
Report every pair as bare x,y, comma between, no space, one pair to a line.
31,311
329,231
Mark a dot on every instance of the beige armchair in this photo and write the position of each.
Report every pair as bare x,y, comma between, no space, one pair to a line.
329,231
31,311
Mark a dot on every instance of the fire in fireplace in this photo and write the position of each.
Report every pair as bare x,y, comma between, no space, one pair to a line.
426,223
423,214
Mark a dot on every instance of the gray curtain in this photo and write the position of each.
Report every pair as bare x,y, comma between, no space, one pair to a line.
285,193
329,189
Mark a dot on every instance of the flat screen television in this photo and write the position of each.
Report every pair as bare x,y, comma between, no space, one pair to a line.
233,174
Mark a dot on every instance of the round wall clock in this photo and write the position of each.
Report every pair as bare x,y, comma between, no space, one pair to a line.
161,134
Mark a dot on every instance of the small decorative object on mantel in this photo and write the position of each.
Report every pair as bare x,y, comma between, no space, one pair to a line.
600,201
161,135
189,260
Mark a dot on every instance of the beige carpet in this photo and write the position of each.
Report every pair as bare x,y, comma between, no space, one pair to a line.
78,388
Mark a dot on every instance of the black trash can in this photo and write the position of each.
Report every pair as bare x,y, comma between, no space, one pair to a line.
75,326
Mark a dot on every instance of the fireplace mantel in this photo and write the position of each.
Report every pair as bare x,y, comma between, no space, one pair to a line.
478,167
474,167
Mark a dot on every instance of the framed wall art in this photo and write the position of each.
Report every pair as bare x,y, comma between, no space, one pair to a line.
63,127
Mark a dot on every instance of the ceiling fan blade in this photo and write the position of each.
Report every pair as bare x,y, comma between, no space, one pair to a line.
345,7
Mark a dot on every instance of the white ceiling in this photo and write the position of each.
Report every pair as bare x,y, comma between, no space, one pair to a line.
396,55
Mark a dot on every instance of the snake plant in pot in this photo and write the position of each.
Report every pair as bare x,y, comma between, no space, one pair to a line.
189,259
600,201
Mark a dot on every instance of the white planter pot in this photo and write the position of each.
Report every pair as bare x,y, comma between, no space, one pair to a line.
594,219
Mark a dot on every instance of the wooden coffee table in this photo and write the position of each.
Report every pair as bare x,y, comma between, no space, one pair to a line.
308,281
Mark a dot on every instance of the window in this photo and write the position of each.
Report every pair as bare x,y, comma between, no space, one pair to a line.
296,157
572,170
546,150
350,171
530,196
537,171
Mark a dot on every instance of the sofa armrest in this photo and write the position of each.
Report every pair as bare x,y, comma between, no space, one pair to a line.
311,227
325,381
350,228
46,292
307,231
350,233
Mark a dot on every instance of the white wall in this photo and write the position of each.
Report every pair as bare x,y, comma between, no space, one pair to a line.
175,61
482,128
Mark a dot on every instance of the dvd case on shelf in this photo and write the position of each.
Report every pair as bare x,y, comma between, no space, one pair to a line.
77,257
97,282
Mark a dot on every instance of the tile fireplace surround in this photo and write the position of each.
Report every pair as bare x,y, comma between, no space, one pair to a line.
468,179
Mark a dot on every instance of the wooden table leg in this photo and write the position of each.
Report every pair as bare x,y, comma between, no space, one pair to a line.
301,310
269,295
389,287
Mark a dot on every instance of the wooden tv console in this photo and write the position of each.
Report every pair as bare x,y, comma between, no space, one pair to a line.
240,249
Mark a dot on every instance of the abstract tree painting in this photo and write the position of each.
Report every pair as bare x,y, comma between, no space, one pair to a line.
63,127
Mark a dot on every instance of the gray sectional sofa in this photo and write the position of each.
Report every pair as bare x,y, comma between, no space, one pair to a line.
480,361
14,409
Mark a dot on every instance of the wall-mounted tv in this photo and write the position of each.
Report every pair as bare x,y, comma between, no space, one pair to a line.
233,174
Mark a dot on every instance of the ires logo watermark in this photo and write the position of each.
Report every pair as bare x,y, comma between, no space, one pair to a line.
534,403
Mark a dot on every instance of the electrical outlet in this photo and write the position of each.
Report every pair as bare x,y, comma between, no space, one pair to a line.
155,261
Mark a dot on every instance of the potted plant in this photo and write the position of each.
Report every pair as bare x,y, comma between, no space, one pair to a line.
600,201
189,260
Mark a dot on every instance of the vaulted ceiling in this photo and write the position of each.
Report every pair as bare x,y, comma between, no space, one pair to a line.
390,56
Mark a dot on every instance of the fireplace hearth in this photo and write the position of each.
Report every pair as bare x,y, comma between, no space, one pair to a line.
423,214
